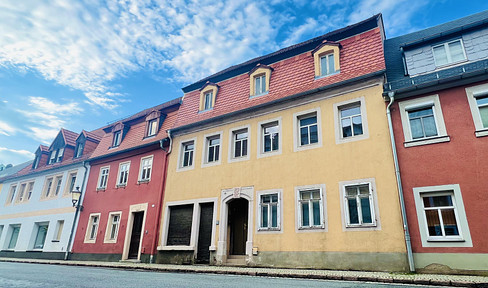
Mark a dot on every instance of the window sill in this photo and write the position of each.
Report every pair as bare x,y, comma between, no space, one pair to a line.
269,229
186,168
120,185
308,146
113,147
328,75
258,95
238,159
311,228
481,133
149,137
433,239
210,164
139,182
203,111
34,250
101,189
427,141
269,154
54,241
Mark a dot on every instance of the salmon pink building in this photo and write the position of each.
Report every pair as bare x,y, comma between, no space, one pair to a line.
124,190
438,91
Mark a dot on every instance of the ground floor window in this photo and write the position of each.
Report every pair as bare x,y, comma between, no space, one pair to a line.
269,211
13,237
41,235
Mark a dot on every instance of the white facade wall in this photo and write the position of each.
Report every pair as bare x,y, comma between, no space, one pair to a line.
29,214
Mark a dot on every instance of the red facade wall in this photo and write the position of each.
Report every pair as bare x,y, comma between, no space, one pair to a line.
460,161
119,199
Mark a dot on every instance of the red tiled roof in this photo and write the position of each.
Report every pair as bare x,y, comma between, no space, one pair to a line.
361,54
137,131
69,137
94,135
44,148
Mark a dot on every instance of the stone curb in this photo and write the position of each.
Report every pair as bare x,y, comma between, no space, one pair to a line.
380,277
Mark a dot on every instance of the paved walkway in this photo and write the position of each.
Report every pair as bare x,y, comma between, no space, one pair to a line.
422,279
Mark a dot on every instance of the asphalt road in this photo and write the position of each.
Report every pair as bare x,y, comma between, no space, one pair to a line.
24,275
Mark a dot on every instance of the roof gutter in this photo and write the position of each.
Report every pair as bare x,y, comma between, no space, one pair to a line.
399,184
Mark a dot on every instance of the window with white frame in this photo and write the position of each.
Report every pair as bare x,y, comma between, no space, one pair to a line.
441,215
208,100
308,129
48,187
260,84
92,228
240,143
327,65
310,207
60,154
117,138
79,149
422,121
146,167
351,120
40,235
478,104
112,227
14,236
269,211
212,150
70,183
270,137
11,194
57,181
30,188
52,158
187,149
103,177
59,230
152,127
123,174
449,53
359,205
20,195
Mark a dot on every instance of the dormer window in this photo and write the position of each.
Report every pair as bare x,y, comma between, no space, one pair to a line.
60,154
79,150
52,158
208,93
326,59
449,53
36,162
152,127
116,140
260,77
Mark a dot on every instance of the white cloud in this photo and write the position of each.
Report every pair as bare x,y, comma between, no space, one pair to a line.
14,156
21,152
6,129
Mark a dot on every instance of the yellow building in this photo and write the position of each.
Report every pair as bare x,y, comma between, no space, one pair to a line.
285,161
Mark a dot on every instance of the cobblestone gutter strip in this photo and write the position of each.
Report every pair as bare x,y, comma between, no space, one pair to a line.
415,279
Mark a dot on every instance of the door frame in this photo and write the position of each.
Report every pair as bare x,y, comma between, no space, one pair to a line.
128,231
226,196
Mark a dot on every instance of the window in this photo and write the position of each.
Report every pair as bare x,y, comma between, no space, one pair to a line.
441,216
117,138
359,205
48,187
11,194
36,162
449,53
112,230
103,177
79,150
327,66
422,121
260,84
13,236
41,235
269,211
123,174
60,154
269,138
58,181
478,104
59,230
92,228
30,188
1,230
306,130
208,101
211,154
260,77
310,208
146,167
20,195
56,156
152,127
351,122
52,158
187,149
239,144
180,222
70,184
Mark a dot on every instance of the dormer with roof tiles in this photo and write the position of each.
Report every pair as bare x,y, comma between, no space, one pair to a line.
86,143
41,157
208,95
62,146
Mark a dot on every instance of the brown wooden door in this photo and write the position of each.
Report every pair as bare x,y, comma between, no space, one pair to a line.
205,233
135,238
238,210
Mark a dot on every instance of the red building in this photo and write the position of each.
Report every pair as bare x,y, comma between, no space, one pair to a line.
438,80
124,191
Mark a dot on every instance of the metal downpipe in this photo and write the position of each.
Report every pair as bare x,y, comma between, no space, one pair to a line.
408,243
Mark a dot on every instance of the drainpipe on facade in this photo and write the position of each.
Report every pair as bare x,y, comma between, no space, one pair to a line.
78,207
160,200
411,264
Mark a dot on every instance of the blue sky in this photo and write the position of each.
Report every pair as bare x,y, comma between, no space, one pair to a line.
79,65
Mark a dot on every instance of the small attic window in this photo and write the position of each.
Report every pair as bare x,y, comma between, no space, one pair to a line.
56,155
259,78
117,138
208,94
36,162
152,127
79,149
326,59
153,123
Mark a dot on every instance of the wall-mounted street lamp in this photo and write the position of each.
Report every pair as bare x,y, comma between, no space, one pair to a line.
75,198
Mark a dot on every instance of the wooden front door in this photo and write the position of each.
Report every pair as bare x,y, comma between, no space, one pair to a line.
135,238
205,233
238,216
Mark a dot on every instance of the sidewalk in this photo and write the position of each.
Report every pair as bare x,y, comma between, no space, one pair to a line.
421,279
